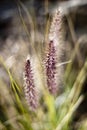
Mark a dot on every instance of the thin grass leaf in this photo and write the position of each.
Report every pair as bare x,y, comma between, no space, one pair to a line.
69,114
77,87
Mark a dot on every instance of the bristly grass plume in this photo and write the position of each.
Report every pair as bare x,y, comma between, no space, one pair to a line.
44,106
51,60
55,39
29,86
56,29
50,66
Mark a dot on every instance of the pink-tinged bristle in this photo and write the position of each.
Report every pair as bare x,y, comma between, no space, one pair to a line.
56,29
29,87
54,49
51,68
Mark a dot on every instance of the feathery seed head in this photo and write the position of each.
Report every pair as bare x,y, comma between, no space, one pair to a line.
54,50
51,69
56,29
29,87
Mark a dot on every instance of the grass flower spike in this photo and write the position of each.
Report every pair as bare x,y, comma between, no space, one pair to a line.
51,69
56,29
53,52
29,87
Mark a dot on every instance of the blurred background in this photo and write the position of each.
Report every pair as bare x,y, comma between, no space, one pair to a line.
20,20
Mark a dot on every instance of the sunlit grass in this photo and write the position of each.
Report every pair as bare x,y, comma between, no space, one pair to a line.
53,118
14,111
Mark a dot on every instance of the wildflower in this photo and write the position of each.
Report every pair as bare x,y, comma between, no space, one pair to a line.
29,87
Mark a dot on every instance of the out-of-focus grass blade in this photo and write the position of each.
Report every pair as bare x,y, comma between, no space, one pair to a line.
14,85
77,87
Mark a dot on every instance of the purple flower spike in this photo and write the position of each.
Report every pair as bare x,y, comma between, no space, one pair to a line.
51,69
54,50
29,87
